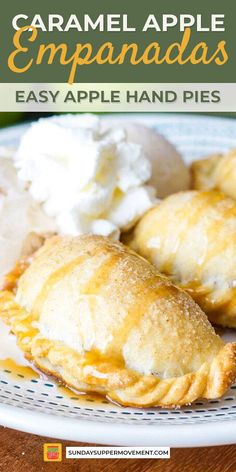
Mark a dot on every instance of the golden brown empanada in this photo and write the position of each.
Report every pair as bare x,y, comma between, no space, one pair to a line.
191,236
217,172
101,318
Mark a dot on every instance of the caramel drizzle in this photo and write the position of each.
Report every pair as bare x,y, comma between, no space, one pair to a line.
92,287
16,370
12,277
99,279
192,214
199,292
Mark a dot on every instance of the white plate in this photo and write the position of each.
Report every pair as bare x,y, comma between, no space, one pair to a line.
40,406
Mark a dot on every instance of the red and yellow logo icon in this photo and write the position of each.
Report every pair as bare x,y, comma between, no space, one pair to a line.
52,452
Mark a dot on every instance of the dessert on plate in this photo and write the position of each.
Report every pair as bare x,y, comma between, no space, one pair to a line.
191,237
69,175
87,309
101,318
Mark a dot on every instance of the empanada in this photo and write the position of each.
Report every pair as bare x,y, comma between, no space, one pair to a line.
191,236
101,318
217,172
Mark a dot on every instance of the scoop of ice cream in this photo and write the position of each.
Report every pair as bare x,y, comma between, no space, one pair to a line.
21,219
169,172
89,180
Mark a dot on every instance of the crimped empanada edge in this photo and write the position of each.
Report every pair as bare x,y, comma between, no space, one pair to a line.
121,385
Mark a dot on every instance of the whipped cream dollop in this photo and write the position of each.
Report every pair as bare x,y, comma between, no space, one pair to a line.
89,180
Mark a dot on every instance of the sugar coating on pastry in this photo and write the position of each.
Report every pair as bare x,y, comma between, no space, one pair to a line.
98,316
169,172
191,236
216,172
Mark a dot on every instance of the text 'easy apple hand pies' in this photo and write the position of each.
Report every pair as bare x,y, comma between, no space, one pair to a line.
191,237
216,172
101,318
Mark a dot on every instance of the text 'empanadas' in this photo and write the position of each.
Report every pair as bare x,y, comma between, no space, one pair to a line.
101,318
216,172
191,236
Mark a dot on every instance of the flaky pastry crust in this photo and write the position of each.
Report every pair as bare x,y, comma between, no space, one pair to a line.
216,172
145,328
191,237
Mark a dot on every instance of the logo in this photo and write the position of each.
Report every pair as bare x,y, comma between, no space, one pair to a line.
52,452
